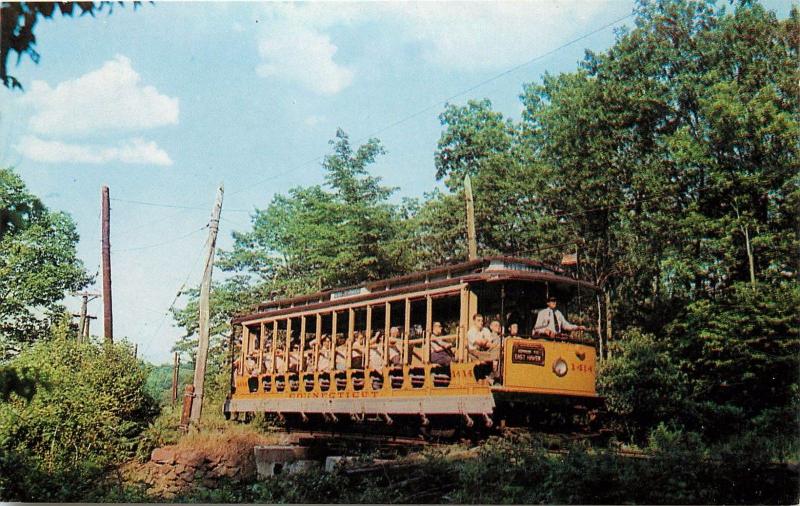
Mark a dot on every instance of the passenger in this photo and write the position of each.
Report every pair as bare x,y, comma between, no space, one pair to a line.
357,353
294,358
441,350
551,322
376,350
395,341
324,353
251,364
484,345
280,362
341,354
497,330
479,337
513,330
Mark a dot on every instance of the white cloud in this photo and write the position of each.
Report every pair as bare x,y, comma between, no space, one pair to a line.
132,151
471,36
303,55
109,98
492,35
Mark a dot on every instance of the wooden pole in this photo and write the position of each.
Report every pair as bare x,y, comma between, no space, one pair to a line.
176,370
472,243
82,321
108,327
205,290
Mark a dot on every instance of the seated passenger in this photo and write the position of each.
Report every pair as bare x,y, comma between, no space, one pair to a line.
395,341
483,345
324,353
341,354
357,351
251,364
513,330
497,330
479,338
376,350
280,362
551,322
294,358
441,350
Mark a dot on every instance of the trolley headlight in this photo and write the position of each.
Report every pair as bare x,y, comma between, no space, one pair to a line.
560,367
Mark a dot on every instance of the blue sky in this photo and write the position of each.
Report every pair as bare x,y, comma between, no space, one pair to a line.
164,103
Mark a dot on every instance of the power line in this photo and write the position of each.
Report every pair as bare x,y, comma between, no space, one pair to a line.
177,295
175,206
176,239
498,76
442,102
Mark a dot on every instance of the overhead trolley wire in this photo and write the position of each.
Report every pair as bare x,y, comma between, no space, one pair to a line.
176,206
169,241
446,100
395,123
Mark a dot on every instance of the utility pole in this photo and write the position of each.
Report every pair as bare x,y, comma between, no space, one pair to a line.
176,371
108,330
205,289
83,322
472,243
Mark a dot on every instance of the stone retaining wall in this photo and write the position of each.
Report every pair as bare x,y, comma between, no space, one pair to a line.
172,470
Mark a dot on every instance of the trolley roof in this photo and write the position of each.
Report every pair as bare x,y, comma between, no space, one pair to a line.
492,268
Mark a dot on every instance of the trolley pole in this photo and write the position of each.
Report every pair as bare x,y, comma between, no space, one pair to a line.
108,330
205,289
472,243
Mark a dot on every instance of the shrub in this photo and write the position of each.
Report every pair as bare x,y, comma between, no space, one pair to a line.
85,415
642,384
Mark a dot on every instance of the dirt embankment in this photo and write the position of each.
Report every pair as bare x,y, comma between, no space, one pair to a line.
197,460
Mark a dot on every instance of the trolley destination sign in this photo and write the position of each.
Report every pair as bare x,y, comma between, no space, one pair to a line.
524,353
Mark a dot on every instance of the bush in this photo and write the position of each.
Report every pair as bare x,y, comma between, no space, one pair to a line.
642,384
86,414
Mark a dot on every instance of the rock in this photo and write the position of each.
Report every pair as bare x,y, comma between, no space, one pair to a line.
227,471
191,458
179,468
163,455
335,460
301,465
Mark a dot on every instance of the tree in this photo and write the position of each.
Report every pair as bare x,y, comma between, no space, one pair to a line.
313,238
18,20
741,354
316,237
680,133
38,264
88,408
642,385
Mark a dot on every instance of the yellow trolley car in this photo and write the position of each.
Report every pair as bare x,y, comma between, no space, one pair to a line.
364,353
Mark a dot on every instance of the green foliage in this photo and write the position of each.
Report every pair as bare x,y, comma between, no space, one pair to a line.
677,469
159,382
310,239
162,431
642,384
314,238
741,352
38,265
86,414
